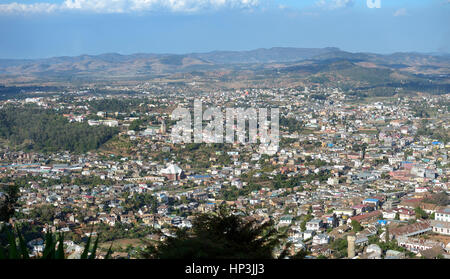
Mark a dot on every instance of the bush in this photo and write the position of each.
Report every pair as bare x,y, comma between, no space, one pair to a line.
53,249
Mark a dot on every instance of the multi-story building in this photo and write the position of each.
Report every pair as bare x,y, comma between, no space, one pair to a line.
314,225
416,245
441,222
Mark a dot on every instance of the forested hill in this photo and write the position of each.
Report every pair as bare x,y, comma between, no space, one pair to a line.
33,128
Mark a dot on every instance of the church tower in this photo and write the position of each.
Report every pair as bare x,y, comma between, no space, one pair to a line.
163,127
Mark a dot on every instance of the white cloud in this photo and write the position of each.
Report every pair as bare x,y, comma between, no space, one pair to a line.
374,4
401,12
24,8
125,6
334,4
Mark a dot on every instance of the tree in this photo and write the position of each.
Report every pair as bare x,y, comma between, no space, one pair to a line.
138,201
356,226
46,213
219,235
308,218
300,255
8,200
53,249
33,128
420,213
136,125
340,247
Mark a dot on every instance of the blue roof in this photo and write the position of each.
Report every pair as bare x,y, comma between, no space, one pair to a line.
200,176
372,200
436,142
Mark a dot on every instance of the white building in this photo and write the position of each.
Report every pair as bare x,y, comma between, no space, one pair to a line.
314,225
321,239
441,222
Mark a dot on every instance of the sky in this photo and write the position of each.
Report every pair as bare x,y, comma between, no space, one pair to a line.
49,28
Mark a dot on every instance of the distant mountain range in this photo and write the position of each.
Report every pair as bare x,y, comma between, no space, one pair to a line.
112,66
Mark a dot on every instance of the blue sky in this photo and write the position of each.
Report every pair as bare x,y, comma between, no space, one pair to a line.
46,28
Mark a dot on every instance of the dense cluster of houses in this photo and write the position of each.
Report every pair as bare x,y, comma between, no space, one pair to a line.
361,163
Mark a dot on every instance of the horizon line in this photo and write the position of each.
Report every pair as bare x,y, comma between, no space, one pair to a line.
435,53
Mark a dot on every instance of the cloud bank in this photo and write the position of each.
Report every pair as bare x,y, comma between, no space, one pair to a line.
126,6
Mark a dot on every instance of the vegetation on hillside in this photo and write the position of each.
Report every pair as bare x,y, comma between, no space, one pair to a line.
33,128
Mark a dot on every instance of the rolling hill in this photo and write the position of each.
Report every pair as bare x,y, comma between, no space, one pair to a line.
270,67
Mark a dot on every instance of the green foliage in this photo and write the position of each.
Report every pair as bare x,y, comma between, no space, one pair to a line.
308,218
53,249
439,133
121,231
340,247
21,92
33,128
420,213
44,213
136,125
8,200
389,244
233,193
140,200
291,124
300,255
192,146
283,181
356,226
220,235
